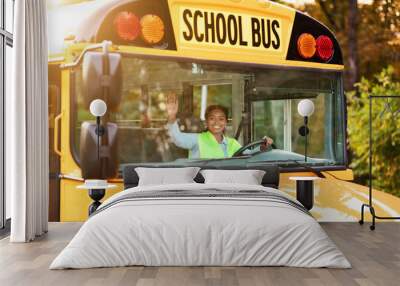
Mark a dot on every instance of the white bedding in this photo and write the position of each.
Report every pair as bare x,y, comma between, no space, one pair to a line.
200,231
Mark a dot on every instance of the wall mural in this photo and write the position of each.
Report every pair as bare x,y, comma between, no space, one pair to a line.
183,89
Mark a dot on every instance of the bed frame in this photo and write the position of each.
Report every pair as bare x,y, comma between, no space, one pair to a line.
270,179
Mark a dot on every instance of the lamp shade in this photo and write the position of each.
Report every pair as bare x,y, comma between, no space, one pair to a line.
305,107
98,107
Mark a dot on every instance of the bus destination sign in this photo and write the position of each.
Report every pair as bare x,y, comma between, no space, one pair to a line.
200,26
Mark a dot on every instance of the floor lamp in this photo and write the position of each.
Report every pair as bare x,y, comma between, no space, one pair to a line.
370,201
305,109
98,108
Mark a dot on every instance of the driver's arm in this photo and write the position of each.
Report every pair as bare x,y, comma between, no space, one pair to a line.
265,146
180,139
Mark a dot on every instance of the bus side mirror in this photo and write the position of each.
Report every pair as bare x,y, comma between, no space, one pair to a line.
91,166
96,78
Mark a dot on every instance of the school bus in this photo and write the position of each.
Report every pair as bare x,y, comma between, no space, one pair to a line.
257,58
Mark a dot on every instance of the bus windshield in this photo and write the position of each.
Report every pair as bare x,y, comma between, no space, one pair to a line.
261,101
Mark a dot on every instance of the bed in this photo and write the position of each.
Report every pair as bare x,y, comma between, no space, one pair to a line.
201,224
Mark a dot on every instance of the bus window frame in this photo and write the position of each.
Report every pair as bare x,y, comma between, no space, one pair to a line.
248,92
72,119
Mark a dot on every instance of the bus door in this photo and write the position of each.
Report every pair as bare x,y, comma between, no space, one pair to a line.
272,99
54,101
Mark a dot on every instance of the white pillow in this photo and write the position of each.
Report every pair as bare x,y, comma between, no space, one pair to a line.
248,177
163,176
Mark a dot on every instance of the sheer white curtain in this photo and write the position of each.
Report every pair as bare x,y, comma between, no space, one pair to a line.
27,123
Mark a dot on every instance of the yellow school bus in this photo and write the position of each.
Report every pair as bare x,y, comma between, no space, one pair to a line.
257,58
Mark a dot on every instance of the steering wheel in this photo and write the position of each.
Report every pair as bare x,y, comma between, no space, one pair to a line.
250,145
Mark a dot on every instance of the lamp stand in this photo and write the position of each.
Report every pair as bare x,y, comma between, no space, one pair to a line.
306,141
99,132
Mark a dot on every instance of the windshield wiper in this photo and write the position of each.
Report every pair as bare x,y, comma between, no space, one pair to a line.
205,162
309,168
299,163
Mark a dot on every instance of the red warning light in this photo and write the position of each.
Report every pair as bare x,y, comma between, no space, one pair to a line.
324,48
127,26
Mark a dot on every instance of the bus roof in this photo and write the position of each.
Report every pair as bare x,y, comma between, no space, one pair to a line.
251,31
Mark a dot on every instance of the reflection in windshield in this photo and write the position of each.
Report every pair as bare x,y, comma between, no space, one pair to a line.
164,113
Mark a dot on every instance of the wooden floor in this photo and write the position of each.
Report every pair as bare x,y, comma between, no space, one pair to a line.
375,257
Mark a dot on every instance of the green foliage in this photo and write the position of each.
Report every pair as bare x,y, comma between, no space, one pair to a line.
386,131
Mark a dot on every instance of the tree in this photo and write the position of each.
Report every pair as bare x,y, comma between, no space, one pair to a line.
342,18
352,58
376,42
335,13
386,131
379,37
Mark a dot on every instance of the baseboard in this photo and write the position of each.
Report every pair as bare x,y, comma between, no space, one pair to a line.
5,231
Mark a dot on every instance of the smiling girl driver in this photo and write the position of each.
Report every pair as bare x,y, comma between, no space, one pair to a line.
211,143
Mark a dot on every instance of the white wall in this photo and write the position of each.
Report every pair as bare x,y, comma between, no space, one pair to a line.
8,91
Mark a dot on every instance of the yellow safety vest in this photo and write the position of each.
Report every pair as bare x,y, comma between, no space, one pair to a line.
209,148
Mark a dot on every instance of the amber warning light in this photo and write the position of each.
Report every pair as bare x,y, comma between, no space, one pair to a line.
129,27
306,45
152,29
